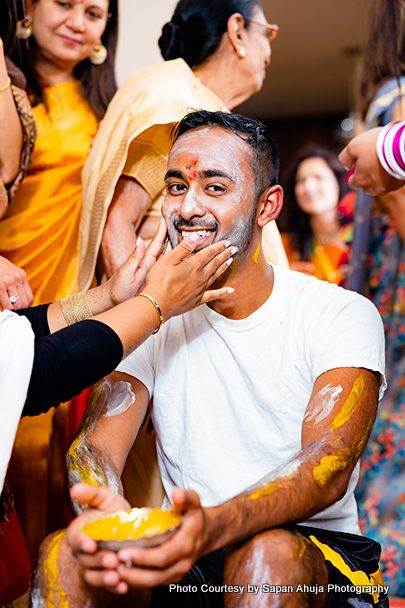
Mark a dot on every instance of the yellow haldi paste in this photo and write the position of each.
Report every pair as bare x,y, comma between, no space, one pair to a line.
256,255
54,595
329,465
350,404
266,491
128,525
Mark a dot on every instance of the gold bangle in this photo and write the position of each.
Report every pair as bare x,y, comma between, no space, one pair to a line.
157,307
76,308
6,85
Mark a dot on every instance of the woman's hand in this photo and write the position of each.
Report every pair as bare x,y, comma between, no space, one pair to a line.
130,277
14,284
367,173
179,281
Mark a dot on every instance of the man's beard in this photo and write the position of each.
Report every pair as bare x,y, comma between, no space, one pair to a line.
240,237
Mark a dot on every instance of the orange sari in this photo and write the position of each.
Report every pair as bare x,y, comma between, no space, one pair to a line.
329,259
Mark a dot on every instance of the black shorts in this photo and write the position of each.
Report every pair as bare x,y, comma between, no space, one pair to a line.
355,579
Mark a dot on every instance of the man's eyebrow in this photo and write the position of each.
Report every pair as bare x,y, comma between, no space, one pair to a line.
174,173
214,173
205,174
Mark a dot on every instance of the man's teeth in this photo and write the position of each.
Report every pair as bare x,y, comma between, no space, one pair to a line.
201,233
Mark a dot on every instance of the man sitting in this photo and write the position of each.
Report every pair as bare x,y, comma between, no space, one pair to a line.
262,403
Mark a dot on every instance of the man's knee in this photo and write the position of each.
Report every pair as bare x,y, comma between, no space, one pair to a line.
59,581
58,574
277,562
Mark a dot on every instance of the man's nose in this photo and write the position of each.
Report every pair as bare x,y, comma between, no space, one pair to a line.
191,206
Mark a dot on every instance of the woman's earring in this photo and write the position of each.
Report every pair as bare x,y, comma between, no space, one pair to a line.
241,52
23,29
99,54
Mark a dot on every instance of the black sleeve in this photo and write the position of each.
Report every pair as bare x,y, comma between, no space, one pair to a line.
68,361
38,317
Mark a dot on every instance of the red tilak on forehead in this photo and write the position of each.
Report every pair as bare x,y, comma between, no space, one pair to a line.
191,168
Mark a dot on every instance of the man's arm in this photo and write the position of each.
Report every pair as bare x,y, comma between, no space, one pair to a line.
317,477
127,210
337,424
108,430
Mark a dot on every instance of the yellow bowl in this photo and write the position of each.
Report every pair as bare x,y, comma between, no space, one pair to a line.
136,528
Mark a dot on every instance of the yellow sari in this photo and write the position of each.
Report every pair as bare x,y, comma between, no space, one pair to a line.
40,230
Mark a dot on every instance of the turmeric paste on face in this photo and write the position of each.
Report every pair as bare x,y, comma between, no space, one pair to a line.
129,525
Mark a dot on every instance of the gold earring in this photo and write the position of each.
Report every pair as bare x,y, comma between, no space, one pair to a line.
99,54
23,29
241,52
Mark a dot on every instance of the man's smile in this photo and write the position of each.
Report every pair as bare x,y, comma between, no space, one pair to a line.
206,233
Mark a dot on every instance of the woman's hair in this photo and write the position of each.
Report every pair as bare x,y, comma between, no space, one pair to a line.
384,52
197,26
98,81
293,219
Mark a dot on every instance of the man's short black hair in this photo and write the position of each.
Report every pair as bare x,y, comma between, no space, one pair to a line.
265,157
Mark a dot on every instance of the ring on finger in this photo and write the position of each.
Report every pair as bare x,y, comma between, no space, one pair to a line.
14,299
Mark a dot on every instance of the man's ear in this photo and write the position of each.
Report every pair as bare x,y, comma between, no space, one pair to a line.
237,33
270,204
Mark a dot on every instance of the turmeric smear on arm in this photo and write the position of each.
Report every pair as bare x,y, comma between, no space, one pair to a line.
329,465
266,491
350,404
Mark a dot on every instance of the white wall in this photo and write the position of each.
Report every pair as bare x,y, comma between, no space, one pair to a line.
140,26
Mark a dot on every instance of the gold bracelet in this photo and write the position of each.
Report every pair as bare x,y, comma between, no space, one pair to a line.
158,310
6,85
76,308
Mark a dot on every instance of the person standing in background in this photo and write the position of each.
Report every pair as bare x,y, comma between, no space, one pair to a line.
378,266
316,221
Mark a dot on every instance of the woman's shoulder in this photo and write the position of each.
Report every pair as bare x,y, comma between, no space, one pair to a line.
174,73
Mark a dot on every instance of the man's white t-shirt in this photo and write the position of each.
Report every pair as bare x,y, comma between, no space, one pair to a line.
229,396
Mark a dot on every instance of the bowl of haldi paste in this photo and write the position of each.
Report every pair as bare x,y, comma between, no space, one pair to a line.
135,528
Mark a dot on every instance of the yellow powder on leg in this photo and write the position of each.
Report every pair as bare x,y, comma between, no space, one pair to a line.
55,596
